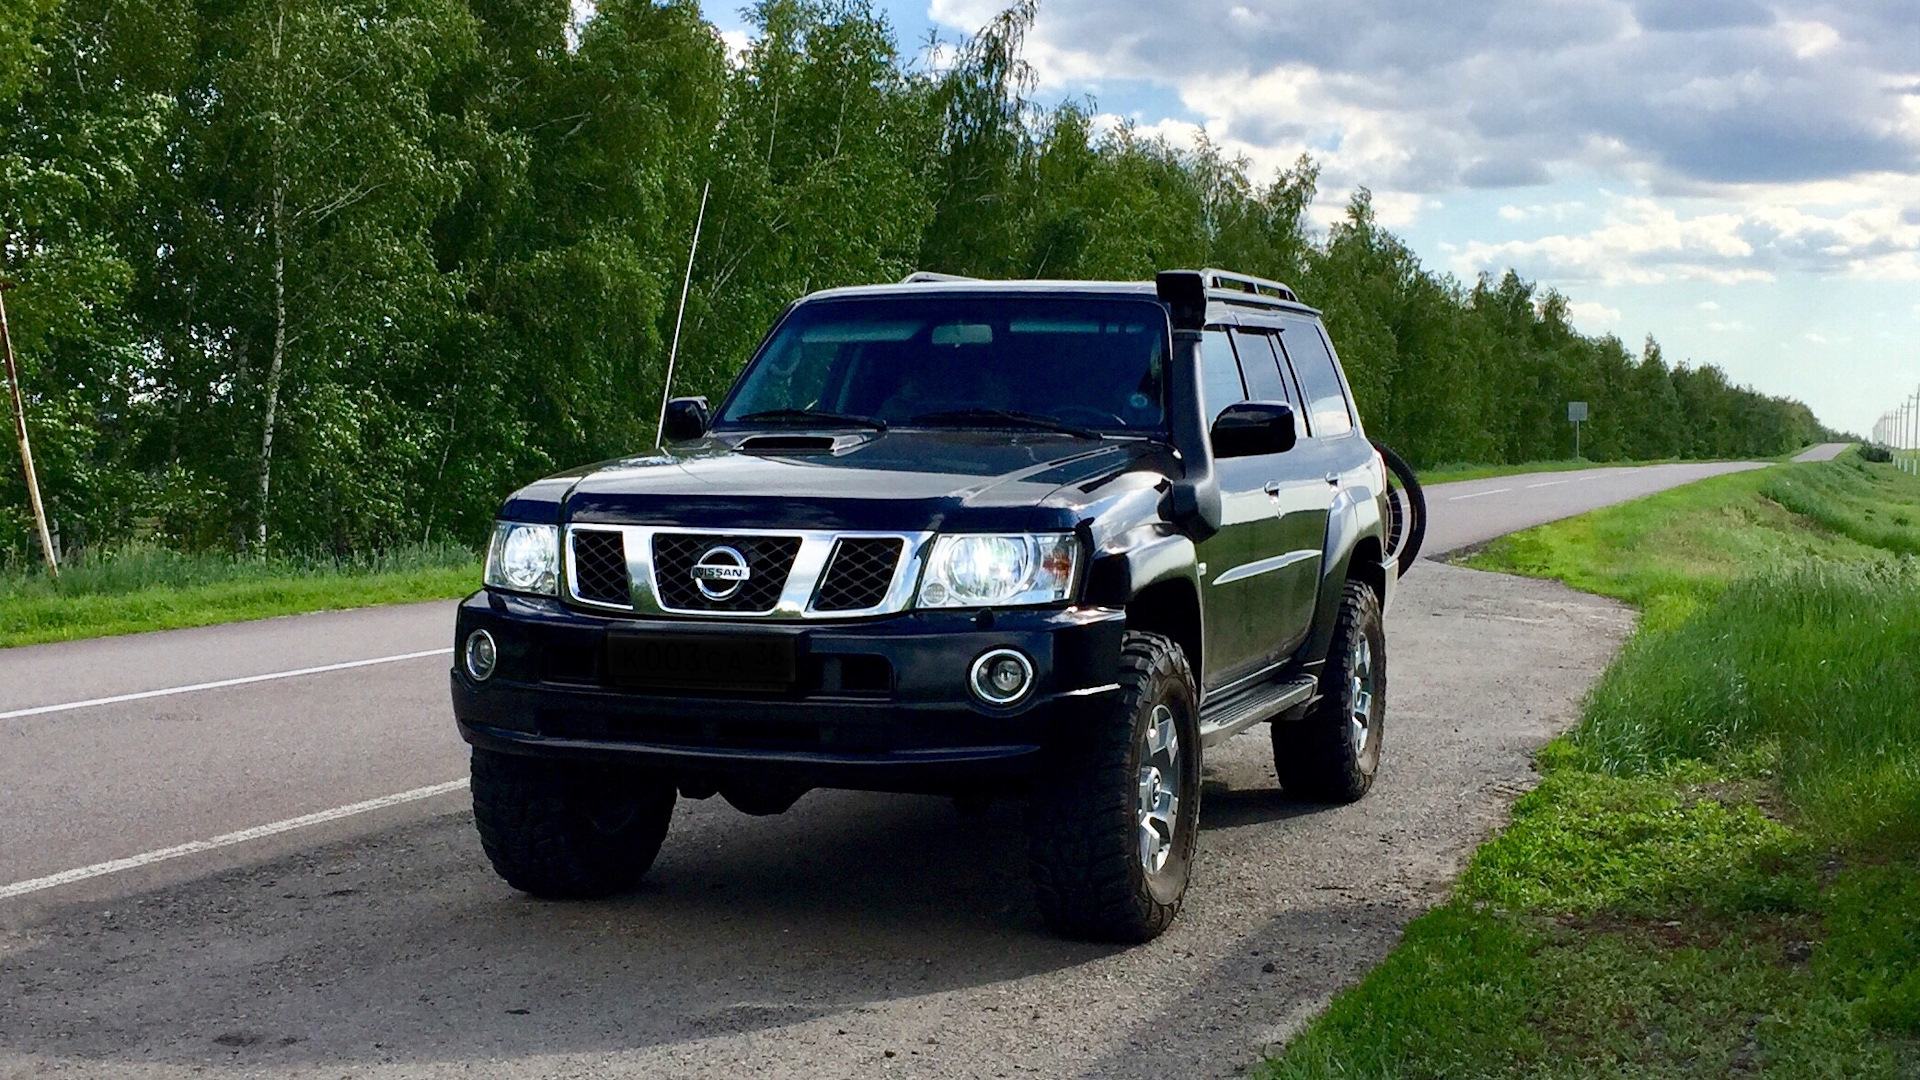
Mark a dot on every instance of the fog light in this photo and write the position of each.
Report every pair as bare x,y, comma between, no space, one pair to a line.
481,655
1002,676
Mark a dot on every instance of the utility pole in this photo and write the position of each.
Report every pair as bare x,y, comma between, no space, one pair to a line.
20,431
1913,434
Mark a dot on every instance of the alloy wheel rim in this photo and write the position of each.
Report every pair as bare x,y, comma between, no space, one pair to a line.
1360,696
1158,802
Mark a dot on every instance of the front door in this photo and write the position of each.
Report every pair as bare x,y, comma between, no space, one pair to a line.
1243,582
1299,495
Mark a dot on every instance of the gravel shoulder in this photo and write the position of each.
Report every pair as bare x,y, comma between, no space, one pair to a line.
859,936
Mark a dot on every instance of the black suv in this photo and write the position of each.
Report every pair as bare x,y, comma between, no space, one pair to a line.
1045,540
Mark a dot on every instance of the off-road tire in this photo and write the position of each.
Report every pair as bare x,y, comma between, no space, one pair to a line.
1085,847
568,831
1318,756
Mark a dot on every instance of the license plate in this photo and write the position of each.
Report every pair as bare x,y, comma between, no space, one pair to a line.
701,661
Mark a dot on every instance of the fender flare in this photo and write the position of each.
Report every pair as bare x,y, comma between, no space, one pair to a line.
1354,516
1114,578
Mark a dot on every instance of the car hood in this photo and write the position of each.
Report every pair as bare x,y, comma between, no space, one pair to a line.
895,480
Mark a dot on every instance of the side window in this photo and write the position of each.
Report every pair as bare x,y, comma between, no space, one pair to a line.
1326,404
1257,365
1220,384
1263,367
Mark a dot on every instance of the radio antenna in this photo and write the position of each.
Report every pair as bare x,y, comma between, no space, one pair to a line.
673,351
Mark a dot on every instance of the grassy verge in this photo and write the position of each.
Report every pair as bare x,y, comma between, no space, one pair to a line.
1719,874
153,589
1448,474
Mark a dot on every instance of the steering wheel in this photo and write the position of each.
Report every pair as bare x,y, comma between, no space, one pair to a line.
1100,417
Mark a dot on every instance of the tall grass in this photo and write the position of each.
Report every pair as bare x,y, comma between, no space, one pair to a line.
1874,506
1816,664
148,588
144,566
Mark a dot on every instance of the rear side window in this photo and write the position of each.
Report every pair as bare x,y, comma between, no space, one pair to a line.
1264,370
1220,384
1326,404
1257,365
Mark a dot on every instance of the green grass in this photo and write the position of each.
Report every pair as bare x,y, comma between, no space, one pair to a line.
145,588
1719,874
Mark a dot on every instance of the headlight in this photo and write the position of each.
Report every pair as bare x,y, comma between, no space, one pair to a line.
524,558
996,571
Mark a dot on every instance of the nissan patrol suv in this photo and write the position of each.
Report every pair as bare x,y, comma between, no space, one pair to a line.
1043,540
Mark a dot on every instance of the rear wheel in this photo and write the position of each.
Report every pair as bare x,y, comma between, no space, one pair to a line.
566,830
1332,753
1114,829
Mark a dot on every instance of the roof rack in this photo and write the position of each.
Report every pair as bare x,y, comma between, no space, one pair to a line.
1229,281
920,277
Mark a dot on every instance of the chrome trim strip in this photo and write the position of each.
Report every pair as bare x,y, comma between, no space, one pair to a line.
1089,691
1266,566
803,579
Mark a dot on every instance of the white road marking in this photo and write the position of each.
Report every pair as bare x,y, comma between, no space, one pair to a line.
1550,483
40,710
1477,494
258,832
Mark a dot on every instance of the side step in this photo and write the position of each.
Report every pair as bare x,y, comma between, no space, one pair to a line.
1246,710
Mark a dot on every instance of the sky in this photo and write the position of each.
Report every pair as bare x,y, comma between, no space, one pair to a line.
1738,178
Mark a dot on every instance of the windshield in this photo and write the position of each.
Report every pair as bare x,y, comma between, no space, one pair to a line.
1062,363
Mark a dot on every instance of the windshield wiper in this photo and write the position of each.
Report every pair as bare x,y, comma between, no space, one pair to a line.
1001,418
815,416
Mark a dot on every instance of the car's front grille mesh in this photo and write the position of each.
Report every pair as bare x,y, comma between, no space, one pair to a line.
600,567
859,573
769,561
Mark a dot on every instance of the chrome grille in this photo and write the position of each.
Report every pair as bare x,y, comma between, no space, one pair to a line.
769,560
859,574
600,567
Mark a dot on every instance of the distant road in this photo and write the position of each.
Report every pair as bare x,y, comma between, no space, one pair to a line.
1824,452
1476,511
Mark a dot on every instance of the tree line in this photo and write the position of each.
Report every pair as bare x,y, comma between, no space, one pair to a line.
334,275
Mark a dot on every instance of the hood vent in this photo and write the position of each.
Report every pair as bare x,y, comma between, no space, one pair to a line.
798,444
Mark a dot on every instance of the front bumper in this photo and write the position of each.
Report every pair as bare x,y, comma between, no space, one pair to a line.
881,704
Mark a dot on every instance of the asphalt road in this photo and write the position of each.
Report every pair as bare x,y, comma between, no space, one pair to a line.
1823,452
277,875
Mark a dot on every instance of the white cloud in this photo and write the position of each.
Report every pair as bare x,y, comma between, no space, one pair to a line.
1559,211
1709,305
1590,315
1809,39
1644,241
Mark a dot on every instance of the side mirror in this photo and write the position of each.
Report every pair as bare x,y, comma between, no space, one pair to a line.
1253,428
686,419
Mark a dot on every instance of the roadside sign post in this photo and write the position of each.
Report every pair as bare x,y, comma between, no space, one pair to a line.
20,431
1576,412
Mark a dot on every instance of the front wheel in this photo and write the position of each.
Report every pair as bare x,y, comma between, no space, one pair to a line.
1331,754
564,830
1114,829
